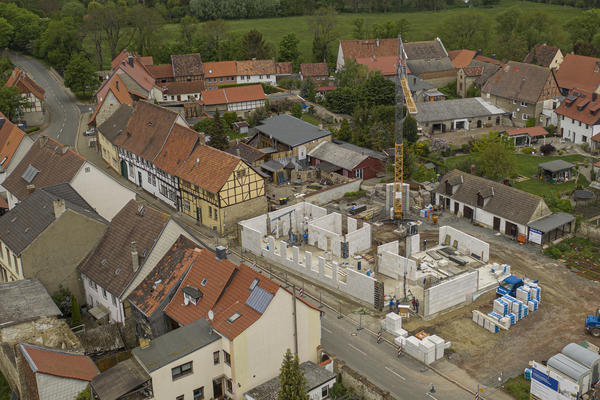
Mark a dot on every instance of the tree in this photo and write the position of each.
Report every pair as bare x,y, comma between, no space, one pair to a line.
6,32
494,155
307,90
344,133
531,121
359,31
288,49
59,42
111,20
291,379
378,90
296,110
583,30
187,29
218,137
410,131
26,26
85,394
146,24
213,33
80,74
75,312
352,74
11,102
254,46
465,31
73,9
92,28
323,25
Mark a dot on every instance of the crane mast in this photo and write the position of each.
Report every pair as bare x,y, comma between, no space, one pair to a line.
404,102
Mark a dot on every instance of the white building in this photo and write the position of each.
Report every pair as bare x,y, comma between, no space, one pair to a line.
579,117
256,71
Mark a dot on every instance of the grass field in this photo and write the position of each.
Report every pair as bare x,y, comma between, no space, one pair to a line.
423,24
518,387
527,166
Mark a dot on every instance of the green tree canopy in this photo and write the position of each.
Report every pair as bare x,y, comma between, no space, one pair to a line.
291,379
307,90
254,46
11,102
494,155
6,32
218,137
80,74
59,42
465,31
344,133
296,110
288,49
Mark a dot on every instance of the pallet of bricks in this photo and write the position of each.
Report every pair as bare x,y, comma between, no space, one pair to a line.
508,310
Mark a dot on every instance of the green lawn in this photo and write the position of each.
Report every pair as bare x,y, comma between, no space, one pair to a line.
310,119
527,166
518,387
423,24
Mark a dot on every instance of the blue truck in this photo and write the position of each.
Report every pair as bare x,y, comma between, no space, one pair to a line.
592,323
509,286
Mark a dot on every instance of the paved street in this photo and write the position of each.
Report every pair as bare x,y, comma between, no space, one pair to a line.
62,112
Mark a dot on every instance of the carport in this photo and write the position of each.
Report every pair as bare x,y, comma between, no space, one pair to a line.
550,228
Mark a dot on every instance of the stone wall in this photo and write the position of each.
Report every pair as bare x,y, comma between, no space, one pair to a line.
361,385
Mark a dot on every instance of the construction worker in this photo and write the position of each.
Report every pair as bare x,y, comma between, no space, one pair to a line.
391,303
424,244
417,306
414,303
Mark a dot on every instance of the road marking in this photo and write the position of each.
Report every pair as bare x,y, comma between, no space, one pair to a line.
429,394
357,349
326,330
395,373
58,136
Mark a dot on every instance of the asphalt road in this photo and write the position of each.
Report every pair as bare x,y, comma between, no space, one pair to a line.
403,377
62,111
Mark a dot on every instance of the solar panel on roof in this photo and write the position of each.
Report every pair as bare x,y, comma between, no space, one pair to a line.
259,299
30,173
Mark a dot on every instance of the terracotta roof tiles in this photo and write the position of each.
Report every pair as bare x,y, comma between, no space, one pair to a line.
177,148
175,88
461,58
386,64
161,71
246,152
524,82
473,71
217,69
585,107
314,69
25,84
208,168
531,131
10,139
256,67
579,72
284,68
59,363
234,94
543,55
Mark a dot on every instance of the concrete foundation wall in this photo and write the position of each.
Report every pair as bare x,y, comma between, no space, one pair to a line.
395,266
359,240
334,193
467,244
450,292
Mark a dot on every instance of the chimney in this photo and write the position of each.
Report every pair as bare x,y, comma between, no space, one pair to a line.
43,140
135,258
237,152
130,61
64,149
30,189
221,252
59,207
1,122
377,42
117,84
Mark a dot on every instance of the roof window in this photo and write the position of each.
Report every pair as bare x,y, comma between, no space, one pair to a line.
253,284
234,317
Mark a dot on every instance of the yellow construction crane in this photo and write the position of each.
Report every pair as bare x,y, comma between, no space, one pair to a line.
403,98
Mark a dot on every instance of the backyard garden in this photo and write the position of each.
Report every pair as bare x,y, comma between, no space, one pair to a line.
582,256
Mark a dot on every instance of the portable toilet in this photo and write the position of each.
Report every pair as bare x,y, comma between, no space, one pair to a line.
584,357
581,374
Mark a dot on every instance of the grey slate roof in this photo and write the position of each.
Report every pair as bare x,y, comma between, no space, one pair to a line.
556,165
446,110
25,300
116,123
507,202
337,155
523,82
551,222
271,166
175,344
132,85
119,380
416,84
421,66
315,376
291,130
363,150
23,224
488,71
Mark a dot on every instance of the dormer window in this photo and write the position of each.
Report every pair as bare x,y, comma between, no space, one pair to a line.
191,295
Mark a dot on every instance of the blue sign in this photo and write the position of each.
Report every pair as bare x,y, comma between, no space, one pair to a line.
544,379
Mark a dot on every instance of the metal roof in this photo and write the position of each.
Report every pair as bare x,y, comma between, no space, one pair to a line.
580,354
271,166
337,155
363,150
291,130
556,165
552,221
30,173
259,299
25,300
445,110
175,345
119,380
583,194
569,367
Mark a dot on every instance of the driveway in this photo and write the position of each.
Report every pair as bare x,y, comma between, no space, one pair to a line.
62,111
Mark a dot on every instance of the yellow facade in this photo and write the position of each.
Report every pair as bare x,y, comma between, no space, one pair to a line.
213,209
109,153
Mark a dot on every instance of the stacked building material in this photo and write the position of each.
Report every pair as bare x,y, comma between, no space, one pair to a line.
428,350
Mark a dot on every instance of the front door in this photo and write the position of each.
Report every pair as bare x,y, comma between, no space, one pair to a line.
447,203
511,229
496,224
456,207
198,214
139,178
124,169
468,212
218,388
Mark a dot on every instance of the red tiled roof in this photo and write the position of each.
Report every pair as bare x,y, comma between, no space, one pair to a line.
385,64
579,72
488,60
3,203
284,68
177,148
531,131
314,69
56,164
219,69
174,88
59,363
10,139
430,49
208,168
161,71
234,94
544,55
25,84
461,58
584,108
119,90
213,97
473,71
123,55
256,67
159,283
225,292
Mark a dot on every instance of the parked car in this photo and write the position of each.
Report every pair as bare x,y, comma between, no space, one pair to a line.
90,132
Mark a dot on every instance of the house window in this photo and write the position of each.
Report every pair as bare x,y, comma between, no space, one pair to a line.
325,392
104,292
186,205
114,300
514,114
180,397
579,123
514,101
216,357
181,371
210,212
584,139
523,104
227,358
215,214
199,393
229,385
525,116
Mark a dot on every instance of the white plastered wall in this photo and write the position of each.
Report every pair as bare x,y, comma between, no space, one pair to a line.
453,291
391,264
467,244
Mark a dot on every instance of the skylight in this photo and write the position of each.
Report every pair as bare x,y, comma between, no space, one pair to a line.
234,317
253,284
30,173
203,283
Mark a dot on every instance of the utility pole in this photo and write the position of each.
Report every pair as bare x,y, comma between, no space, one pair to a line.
295,321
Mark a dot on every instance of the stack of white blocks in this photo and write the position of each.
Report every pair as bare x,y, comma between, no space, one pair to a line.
393,324
427,350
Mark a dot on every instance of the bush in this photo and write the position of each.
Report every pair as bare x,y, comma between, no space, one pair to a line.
547,149
553,252
338,390
75,312
34,129
527,150
531,121
290,84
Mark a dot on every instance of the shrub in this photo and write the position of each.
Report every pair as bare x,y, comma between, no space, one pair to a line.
75,312
560,152
528,150
34,129
547,149
553,252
